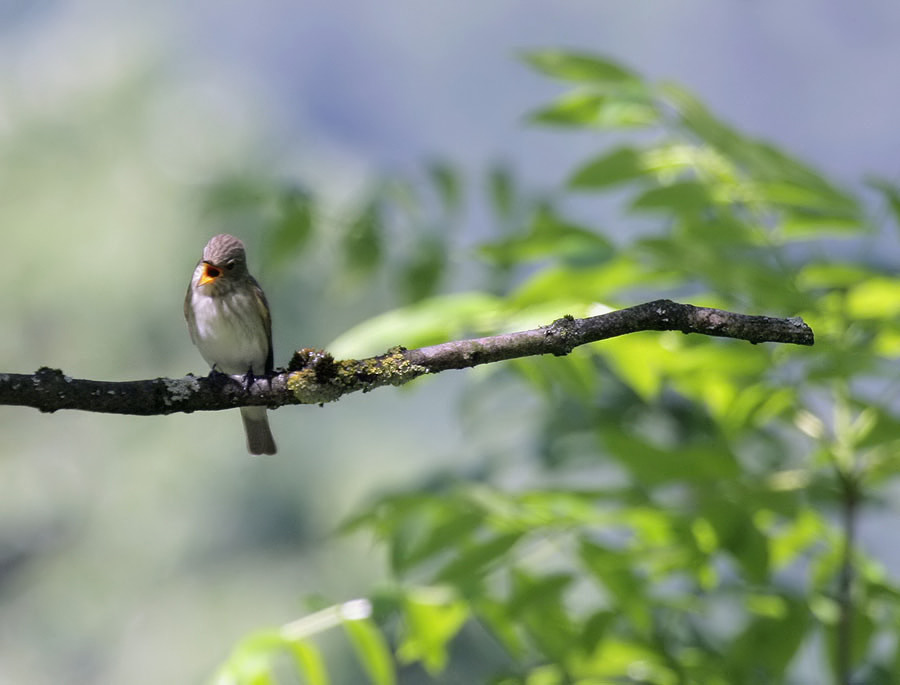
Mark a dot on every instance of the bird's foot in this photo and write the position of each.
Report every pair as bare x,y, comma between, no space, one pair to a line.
214,373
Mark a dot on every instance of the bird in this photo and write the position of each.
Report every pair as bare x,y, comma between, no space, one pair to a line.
229,321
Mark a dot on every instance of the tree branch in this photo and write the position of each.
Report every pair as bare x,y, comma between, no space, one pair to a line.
314,377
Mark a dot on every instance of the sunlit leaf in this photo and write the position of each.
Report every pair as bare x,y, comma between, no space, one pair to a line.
875,298
437,320
587,108
571,283
670,509
682,197
579,67
616,660
431,620
372,651
831,275
621,165
794,538
251,661
309,662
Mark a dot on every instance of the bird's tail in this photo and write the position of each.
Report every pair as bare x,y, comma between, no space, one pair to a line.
256,426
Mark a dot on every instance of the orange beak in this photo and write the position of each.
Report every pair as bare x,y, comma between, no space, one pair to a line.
210,273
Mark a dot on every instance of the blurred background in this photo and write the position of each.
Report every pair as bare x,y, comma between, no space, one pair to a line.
140,550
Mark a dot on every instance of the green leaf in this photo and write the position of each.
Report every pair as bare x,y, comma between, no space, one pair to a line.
561,508
575,374
257,672
538,603
769,175
586,108
612,568
696,119
615,571
494,613
293,224
591,286
309,662
595,629
639,361
875,298
891,193
831,275
737,533
684,197
501,191
444,532
372,651
621,165
794,538
768,644
811,211
696,462
431,620
251,661
363,239
549,235
618,660
474,560
423,270
447,183
581,108
571,66
429,322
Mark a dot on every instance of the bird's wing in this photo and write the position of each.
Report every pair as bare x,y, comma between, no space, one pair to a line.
267,322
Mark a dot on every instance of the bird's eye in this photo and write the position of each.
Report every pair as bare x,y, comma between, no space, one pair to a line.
212,272
229,265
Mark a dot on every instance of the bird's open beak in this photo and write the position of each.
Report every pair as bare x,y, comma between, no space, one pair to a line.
210,273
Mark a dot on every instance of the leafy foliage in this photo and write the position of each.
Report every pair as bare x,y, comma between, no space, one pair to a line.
710,538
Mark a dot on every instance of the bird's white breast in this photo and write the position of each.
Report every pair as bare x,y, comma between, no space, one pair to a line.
231,332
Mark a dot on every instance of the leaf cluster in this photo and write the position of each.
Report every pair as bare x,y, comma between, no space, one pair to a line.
694,510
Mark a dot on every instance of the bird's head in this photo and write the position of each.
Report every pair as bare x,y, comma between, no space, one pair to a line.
224,260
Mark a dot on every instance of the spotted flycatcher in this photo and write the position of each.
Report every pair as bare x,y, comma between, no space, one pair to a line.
229,321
